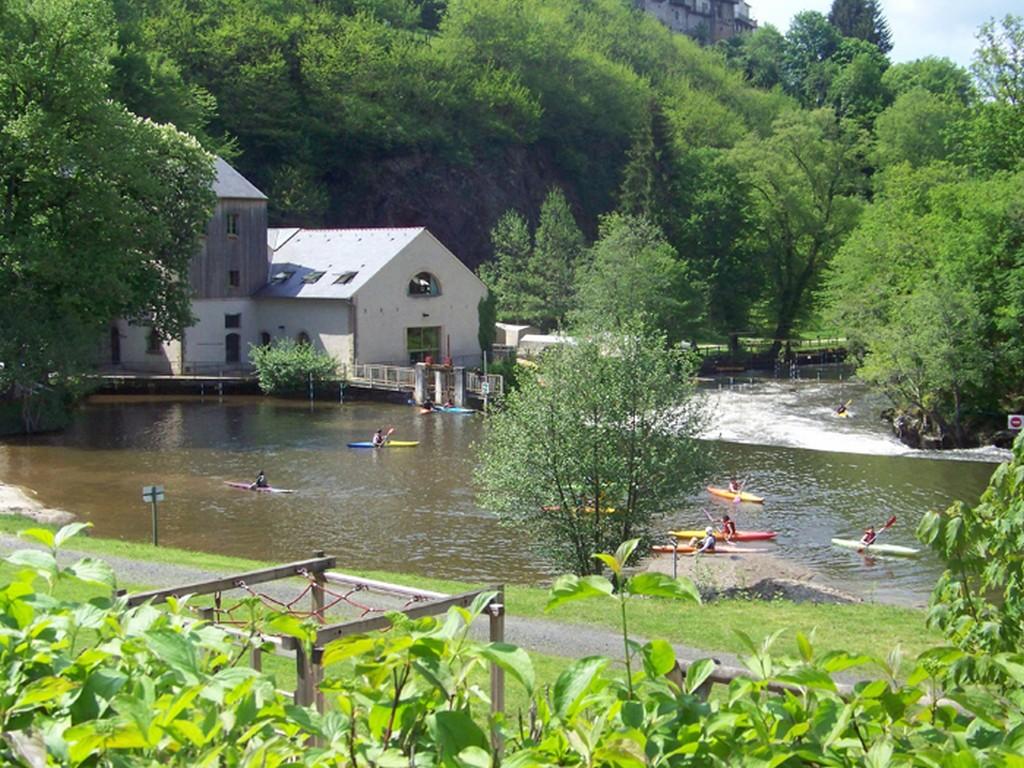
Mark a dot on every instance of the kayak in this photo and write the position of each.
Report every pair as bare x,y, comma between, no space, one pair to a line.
724,549
447,409
876,548
725,493
388,444
740,535
248,487
843,415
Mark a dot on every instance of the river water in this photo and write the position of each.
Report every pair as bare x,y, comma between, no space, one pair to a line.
414,509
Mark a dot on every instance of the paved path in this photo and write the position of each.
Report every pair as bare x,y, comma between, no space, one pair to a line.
546,636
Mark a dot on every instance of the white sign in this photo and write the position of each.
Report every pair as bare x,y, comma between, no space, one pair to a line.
151,493
1015,421
485,387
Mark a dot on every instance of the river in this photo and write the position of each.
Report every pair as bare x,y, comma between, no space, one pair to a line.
414,509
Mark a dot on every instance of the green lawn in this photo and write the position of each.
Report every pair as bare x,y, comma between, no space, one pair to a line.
862,628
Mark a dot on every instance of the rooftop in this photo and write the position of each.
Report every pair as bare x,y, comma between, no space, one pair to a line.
233,185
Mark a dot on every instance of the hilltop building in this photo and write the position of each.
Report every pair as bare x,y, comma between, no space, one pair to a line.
393,296
706,20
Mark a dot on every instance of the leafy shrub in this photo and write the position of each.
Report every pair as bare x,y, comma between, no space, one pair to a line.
98,684
285,366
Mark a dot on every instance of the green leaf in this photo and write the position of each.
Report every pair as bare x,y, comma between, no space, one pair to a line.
569,587
655,584
809,677
347,647
611,562
697,673
94,571
43,535
67,531
455,731
806,652
625,551
41,562
472,757
513,660
659,657
175,650
574,682
42,691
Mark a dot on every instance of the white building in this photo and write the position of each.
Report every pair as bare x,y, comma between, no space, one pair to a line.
362,295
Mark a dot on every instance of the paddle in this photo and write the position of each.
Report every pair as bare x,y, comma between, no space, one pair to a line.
387,435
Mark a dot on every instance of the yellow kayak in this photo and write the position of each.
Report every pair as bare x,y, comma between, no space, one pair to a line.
740,535
725,493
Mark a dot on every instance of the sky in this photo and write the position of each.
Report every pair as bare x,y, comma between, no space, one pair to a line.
919,28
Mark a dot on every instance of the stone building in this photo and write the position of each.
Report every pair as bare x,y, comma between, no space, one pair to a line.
706,20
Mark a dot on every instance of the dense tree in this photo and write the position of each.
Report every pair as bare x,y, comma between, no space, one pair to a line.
861,19
930,286
760,55
804,181
857,90
939,76
605,435
100,211
634,275
533,276
810,43
915,129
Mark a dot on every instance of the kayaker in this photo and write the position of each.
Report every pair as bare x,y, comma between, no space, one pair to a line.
707,544
261,481
379,438
448,403
428,404
869,536
841,409
735,486
728,528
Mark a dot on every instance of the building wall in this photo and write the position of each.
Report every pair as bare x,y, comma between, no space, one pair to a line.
384,310
709,20
244,252
324,321
133,343
206,339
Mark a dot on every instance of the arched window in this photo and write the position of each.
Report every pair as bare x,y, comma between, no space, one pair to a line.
424,284
264,338
232,348
302,338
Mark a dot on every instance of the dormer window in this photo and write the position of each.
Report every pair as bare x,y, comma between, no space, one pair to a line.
424,284
312,277
345,278
282,277
232,224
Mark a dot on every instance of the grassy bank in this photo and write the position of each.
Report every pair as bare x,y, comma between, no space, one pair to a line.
861,628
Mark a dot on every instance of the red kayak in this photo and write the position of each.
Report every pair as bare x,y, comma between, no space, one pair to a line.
249,487
721,549
739,535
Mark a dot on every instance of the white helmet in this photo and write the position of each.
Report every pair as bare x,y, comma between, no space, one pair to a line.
709,530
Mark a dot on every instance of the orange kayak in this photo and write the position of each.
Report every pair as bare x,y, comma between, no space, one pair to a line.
725,493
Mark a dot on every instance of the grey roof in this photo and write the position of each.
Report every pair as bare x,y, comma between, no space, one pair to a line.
231,184
335,253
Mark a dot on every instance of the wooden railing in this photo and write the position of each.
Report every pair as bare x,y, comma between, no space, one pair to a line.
394,377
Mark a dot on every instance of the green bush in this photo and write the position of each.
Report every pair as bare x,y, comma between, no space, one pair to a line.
285,366
99,684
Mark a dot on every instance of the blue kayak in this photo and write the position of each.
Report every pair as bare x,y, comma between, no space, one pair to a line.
453,409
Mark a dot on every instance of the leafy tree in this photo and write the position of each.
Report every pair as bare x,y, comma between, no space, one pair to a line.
861,19
508,276
857,91
605,434
938,76
635,275
487,315
804,181
100,211
760,55
287,367
557,251
810,43
915,129
977,601
533,277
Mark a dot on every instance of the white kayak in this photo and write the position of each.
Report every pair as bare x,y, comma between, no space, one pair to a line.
876,548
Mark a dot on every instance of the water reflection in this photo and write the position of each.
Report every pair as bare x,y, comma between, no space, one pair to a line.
414,509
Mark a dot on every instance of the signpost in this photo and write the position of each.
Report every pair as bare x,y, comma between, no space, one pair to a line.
152,494
1015,421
